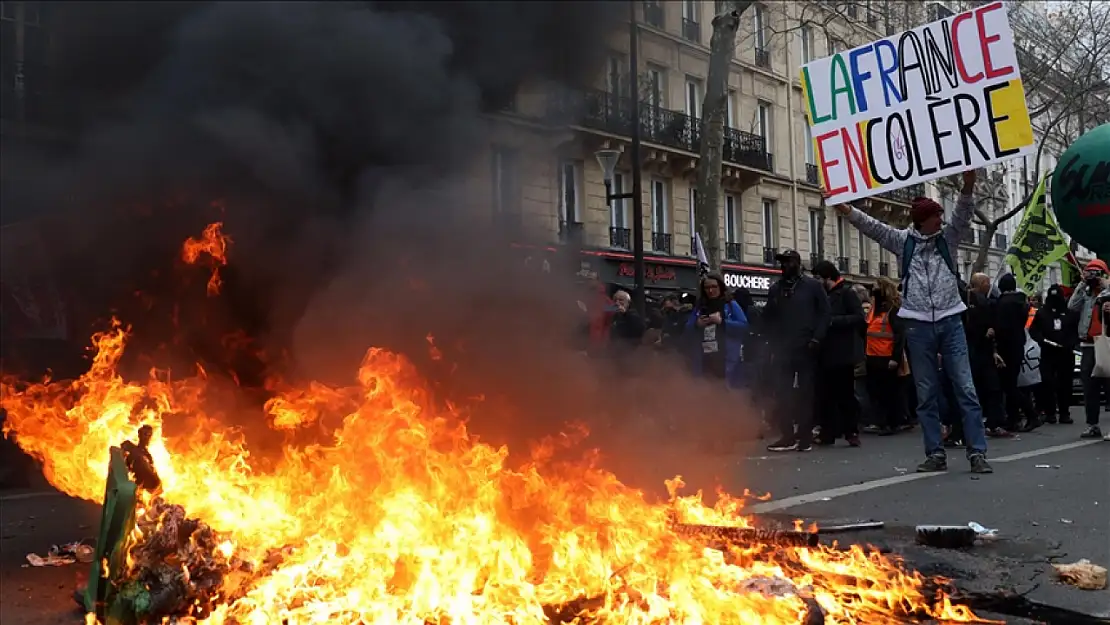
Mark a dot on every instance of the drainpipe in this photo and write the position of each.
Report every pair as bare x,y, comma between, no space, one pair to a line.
790,151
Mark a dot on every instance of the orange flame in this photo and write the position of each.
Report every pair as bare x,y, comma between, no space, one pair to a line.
405,517
214,243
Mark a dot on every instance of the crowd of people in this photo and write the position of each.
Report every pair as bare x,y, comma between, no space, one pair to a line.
929,351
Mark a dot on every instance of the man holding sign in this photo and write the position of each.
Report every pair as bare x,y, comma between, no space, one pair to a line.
932,304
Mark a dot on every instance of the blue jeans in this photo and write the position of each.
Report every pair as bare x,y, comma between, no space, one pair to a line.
924,340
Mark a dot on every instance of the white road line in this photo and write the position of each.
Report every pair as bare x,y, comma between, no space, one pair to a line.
840,491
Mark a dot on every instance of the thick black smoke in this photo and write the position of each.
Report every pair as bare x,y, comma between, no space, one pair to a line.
336,141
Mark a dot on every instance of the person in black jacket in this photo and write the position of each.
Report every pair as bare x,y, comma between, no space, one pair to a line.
1057,330
795,321
985,361
840,352
1011,313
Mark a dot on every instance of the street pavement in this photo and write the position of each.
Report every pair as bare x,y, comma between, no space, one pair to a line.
1059,512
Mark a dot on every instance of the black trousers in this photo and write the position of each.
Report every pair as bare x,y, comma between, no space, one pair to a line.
794,401
988,387
1093,388
1057,375
1019,404
884,388
839,412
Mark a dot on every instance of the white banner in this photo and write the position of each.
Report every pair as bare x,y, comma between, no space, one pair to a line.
934,101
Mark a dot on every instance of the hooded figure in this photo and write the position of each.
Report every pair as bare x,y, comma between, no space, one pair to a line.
1057,330
1011,317
717,325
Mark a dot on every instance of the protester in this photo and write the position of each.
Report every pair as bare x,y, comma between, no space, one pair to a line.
719,323
984,358
862,398
841,350
626,330
795,320
675,314
1011,314
1091,300
885,353
932,302
1058,331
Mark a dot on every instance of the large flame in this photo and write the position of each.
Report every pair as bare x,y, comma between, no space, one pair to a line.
404,517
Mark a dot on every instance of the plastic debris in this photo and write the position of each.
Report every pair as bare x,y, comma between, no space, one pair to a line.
1047,466
1082,574
62,555
1066,521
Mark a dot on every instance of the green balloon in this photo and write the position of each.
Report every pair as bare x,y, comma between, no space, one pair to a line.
1081,191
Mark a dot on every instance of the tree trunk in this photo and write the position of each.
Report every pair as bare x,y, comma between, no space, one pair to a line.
982,255
711,128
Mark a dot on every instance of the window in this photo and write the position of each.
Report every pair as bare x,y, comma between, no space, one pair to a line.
570,192
615,76
806,34
618,209
732,220
693,97
505,174
811,158
769,223
653,13
830,45
864,248
659,206
760,35
814,231
730,109
938,12
690,10
763,123
655,87
843,247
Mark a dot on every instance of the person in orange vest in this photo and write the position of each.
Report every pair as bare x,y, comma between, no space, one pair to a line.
1011,319
886,366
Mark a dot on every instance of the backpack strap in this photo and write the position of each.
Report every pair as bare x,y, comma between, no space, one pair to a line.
946,254
907,255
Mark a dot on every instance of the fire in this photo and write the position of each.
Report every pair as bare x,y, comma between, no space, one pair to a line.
404,516
214,243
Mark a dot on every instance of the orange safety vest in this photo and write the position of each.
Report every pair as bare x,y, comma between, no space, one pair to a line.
880,336
1029,319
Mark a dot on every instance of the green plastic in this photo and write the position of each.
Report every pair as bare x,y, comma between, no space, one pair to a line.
102,596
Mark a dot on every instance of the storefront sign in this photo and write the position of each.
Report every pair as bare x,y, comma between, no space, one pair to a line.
749,281
652,273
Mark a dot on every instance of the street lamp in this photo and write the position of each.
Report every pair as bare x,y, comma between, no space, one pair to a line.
607,159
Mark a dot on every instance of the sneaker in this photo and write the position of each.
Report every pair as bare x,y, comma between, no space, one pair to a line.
1107,437
1092,431
979,464
1066,420
853,441
803,447
872,429
785,444
1029,426
821,441
999,433
933,464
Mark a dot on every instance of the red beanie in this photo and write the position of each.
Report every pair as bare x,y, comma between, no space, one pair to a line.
922,208
1097,264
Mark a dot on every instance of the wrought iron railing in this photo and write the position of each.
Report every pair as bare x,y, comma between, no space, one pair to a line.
746,148
653,14
884,269
1000,241
763,58
811,174
691,30
620,238
734,251
769,254
864,267
843,265
662,242
813,260
905,194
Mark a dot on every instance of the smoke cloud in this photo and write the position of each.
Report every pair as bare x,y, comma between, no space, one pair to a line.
336,141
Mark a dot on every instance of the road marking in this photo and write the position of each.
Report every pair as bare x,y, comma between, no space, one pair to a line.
840,491
34,495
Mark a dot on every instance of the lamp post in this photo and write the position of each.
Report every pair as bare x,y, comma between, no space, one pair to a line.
608,161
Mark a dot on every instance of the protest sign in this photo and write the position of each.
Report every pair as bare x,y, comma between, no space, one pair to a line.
934,101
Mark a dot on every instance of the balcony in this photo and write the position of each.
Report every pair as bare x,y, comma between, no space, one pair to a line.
599,110
653,14
662,242
1000,242
811,175
864,267
769,255
967,237
734,251
843,265
884,269
620,238
763,58
572,232
813,260
905,194
691,30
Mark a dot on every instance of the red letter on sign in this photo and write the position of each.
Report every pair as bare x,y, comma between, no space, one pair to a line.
826,164
985,41
956,51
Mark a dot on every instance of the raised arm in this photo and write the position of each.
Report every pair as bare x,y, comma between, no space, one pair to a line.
960,223
888,237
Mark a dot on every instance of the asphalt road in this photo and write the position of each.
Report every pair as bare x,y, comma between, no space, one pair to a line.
1060,513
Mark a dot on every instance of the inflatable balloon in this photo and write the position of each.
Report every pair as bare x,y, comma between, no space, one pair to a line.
1081,191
